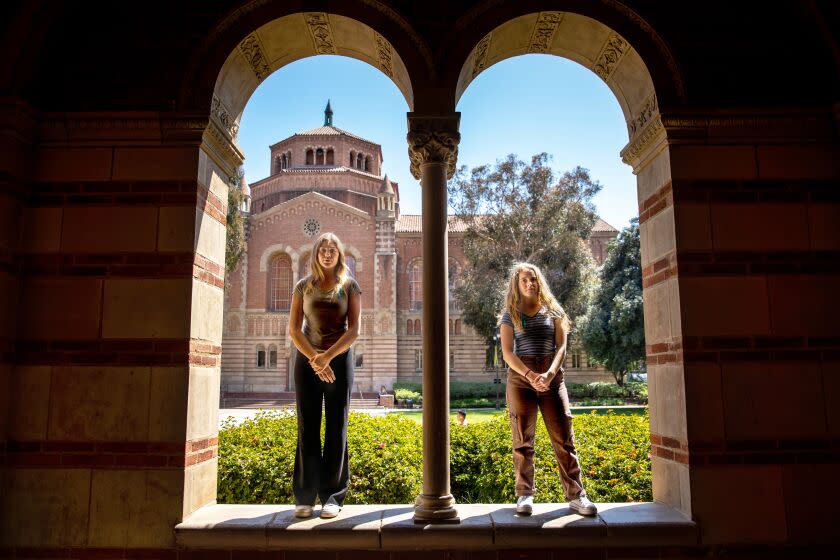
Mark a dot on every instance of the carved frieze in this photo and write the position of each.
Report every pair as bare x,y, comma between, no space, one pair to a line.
648,110
544,29
611,53
384,53
321,32
253,53
222,114
480,59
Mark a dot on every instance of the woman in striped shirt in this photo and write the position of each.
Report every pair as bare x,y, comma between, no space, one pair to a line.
533,328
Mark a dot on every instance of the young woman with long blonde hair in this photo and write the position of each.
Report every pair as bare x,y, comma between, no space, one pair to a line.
533,328
323,324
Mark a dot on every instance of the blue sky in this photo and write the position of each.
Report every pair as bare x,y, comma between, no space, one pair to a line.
523,105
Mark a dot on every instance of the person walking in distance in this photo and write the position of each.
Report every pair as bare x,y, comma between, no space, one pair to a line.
323,324
533,328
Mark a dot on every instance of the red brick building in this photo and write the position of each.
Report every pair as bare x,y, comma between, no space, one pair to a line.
328,179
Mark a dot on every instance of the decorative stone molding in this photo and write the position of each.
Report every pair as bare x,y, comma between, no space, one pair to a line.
611,53
646,113
253,52
480,58
304,205
385,53
111,128
321,32
544,29
636,153
221,148
223,116
272,250
433,139
803,126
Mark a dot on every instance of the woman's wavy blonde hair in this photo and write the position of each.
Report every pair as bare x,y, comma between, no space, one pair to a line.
547,299
317,274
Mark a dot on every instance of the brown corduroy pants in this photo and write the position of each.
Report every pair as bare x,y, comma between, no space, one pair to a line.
523,402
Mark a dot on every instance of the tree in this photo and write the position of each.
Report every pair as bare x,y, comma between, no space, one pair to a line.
235,234
515,211
613,330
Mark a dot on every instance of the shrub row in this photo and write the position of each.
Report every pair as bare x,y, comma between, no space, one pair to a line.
462,390
635,391
256,460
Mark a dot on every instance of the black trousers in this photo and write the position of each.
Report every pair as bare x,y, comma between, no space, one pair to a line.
322,474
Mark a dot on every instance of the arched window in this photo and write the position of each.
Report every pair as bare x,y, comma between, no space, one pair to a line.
272,356
330,157
280,283
352,159
360,161
310,157
454,277
418,360
288,159
304,265
367,163
409,327
350,260
260,356
415,285
319,156
457,326
417,327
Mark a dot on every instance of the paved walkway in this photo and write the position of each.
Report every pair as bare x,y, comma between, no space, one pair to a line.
241,414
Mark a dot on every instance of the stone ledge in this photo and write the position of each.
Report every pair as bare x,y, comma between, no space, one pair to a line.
392,527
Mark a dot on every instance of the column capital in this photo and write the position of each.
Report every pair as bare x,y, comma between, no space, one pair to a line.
433,139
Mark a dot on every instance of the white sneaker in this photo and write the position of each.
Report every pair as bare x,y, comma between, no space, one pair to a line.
330,509
524,505
583,506
302,510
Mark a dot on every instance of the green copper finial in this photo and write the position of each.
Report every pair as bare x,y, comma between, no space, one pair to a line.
328,115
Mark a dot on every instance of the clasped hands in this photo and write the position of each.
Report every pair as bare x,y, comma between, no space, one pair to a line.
320,363
539,381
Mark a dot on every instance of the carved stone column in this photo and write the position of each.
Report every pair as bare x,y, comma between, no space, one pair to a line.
433,149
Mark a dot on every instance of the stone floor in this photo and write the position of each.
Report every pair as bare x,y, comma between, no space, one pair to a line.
392,528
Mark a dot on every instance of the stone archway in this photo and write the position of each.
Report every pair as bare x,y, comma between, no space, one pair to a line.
264,50
608,54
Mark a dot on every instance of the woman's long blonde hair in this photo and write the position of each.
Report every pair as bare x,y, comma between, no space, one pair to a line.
513,299
317,274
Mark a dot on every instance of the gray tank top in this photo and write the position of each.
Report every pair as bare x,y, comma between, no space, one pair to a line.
325,313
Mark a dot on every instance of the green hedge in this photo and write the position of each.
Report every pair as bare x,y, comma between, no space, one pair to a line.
464,390
403,394
256,460
637,392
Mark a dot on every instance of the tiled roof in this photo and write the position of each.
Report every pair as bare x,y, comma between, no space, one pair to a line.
409,223
329,130
414,223
603,227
